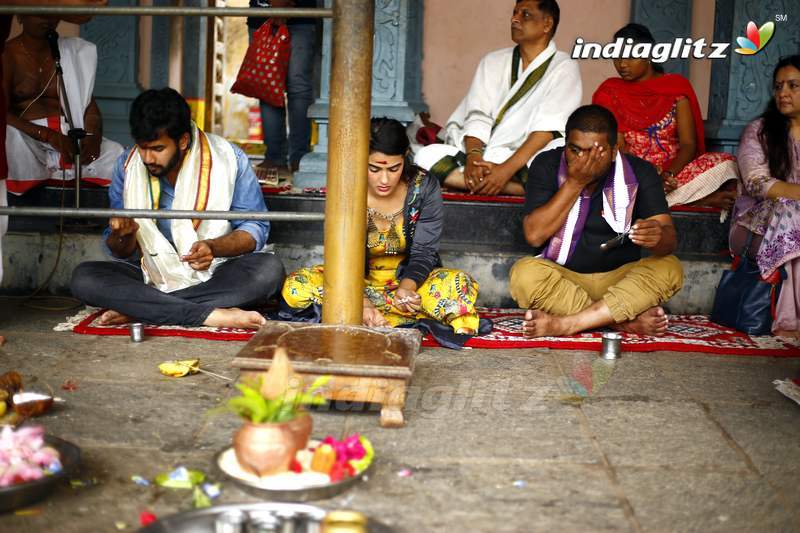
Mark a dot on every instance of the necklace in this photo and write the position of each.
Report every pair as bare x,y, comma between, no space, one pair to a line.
389,238
374,213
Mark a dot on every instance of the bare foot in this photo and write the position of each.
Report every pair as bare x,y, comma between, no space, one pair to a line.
113,318
2,340
235,318
653,322
721,199
791,334
455,180
541,324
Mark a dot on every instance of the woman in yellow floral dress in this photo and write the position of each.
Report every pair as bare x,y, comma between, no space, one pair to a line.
404,279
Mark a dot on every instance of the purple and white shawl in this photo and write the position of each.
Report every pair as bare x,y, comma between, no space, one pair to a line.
619,197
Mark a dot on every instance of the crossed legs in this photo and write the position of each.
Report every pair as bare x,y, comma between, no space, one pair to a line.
244,281
562,302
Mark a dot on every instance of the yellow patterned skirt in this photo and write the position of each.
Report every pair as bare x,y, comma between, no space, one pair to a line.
448,295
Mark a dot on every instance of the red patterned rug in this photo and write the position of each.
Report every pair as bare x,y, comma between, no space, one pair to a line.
687,333
85,323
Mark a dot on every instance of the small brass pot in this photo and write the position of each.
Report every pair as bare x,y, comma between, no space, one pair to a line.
267,449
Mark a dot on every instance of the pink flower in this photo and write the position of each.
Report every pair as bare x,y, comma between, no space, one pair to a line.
348,449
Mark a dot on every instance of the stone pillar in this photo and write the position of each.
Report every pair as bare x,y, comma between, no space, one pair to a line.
741,85
195,45
667,20
396,78
117,64
159,49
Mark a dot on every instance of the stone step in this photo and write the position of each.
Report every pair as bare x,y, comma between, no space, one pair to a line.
481,238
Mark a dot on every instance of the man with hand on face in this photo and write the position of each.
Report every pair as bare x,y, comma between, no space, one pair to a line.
182,272
592,211
518,103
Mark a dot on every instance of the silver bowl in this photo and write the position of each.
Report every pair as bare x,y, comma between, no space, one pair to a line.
303,518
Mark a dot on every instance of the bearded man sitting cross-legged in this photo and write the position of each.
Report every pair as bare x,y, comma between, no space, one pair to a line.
182,272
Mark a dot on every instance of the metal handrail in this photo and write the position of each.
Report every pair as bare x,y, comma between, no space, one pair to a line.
72,212
282,12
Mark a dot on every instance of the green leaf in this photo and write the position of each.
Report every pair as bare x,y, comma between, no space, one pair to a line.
180,478
196,477
257,403
319,382
200,499
254,407
249,408
361,464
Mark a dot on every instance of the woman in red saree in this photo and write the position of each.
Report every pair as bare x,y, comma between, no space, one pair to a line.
660,121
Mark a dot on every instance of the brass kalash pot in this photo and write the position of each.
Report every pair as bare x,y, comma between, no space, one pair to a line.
267,449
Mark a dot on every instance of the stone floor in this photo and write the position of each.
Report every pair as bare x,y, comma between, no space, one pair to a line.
495,441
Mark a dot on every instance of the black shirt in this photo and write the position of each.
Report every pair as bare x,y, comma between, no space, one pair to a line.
256,22
588,258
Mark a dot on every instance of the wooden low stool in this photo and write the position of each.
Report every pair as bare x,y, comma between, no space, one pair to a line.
365,365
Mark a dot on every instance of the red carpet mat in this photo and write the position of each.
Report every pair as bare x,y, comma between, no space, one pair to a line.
687,333
85,323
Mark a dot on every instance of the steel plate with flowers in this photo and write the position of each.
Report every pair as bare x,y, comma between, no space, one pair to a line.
321,470
31,463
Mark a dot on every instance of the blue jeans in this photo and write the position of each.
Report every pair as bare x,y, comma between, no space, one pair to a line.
300,95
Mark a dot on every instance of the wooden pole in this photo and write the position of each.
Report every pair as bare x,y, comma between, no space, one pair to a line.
348,154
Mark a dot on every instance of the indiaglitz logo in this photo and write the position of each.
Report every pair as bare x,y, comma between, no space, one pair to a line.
680,48
757,38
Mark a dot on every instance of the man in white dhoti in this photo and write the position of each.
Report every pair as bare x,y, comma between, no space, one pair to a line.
36,137
181,272
518,103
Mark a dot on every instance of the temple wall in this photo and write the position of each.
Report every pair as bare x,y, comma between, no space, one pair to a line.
457,33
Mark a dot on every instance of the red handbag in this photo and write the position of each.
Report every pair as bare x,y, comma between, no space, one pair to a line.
263,71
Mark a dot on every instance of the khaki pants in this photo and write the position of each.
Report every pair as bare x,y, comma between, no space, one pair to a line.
627,291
